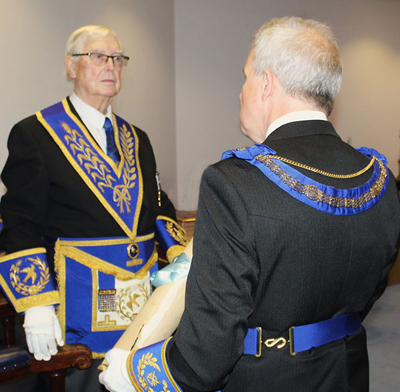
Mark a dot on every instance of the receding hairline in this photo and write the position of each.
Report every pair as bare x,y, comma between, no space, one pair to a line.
80,36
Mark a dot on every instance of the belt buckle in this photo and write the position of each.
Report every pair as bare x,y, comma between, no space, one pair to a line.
278,342
133,251
260,342
291,342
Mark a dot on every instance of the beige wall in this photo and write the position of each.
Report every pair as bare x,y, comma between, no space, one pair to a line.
185,73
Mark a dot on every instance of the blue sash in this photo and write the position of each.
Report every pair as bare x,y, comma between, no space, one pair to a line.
319,196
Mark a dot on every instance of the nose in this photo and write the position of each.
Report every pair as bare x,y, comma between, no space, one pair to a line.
108,63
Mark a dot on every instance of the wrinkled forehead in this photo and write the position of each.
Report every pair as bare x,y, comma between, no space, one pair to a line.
106,43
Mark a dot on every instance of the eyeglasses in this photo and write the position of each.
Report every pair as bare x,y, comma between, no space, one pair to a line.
101,59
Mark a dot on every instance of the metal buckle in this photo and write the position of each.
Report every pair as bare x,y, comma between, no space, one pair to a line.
278,342
133,250
291,341
259,329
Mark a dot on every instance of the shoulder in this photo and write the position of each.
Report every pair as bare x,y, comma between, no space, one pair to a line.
232,172
231,166
31,123
146,152
142,135
27,122
26,129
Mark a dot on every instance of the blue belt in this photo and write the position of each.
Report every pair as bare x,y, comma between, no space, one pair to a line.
305,337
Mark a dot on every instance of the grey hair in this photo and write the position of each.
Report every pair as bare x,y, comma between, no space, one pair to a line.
77,40
304,56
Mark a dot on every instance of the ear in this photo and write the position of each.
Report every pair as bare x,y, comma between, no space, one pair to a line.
267,84
70,66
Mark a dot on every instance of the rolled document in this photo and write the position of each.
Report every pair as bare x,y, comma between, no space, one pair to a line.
158,318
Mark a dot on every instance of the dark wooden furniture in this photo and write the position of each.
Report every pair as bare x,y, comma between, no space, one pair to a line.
23,364
187,220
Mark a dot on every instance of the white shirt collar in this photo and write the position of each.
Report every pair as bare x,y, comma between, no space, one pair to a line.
303,115
92,118
87,112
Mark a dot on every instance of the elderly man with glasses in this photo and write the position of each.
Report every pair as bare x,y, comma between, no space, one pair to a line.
83,199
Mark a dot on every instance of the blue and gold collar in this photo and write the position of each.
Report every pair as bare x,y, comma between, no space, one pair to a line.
319,196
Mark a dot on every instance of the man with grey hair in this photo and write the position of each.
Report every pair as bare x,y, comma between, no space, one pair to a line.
294,239
83,199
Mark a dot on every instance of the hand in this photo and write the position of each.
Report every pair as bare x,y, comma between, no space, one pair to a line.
115,378
43,332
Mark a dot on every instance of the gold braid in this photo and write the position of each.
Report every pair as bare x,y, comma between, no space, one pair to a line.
324,173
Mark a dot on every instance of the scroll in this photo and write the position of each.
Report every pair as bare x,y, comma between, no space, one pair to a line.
158,318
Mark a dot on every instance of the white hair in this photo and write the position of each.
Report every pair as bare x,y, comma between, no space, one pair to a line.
304,56
76,41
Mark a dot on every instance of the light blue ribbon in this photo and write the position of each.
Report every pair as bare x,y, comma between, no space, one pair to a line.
178,269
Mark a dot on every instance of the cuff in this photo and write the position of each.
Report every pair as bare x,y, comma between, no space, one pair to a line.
148,369
171,236
26,279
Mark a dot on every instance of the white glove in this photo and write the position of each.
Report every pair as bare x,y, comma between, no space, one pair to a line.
42,330
115,378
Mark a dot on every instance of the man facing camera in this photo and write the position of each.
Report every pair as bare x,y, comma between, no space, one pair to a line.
83,199
294,240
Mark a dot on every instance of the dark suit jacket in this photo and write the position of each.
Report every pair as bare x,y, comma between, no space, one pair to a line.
263,258
46,198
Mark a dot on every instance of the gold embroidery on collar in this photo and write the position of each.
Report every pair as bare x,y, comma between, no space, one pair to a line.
130,231
315,194
99,172
121,193
324,173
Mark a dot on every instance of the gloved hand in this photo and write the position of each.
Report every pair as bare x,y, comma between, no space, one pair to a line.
115,378
42,330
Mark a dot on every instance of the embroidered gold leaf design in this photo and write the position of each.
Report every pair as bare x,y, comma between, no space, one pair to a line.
176,232
129,303
165,386
121,192
150,378
30,272
98,170
94,166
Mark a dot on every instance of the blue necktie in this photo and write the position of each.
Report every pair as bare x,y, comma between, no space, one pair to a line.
112,151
